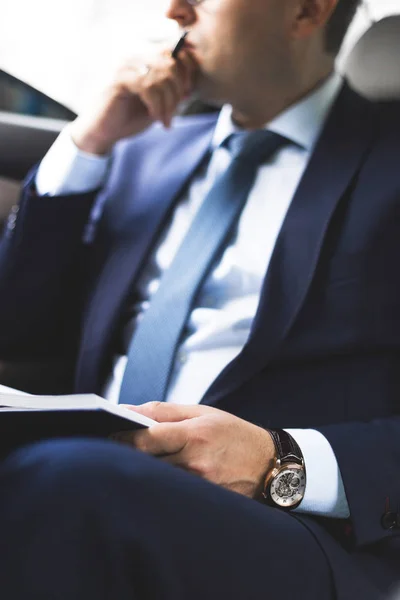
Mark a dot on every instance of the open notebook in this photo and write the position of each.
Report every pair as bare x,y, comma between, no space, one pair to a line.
25,418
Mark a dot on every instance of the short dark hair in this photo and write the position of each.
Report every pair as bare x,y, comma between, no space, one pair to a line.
339,23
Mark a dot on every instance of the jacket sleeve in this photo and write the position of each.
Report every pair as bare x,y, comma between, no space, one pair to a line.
42,260
368,454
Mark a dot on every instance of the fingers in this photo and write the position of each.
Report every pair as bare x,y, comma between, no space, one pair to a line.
164,412
161,86
189,68
153,101
159,440
165,86
161,99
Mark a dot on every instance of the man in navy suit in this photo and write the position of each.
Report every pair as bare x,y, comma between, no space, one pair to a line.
282,397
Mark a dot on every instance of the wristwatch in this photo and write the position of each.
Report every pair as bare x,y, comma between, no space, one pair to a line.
285,483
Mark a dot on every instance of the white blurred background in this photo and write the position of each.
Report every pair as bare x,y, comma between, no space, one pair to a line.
67,48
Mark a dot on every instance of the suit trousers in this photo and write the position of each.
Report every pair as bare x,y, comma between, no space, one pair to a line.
86,519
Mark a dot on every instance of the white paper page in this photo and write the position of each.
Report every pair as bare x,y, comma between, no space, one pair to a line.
73,402
4,389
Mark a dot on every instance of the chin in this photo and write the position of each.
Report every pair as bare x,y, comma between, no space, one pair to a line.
207,91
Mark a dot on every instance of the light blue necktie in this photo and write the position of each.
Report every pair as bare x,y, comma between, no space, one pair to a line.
155,341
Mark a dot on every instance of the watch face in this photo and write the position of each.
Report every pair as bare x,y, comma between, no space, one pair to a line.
288,487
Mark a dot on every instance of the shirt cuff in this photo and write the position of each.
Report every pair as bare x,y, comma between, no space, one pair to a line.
67,170
324,495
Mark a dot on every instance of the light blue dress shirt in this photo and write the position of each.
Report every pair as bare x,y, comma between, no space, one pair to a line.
220,322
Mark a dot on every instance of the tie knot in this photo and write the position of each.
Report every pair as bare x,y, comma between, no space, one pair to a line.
255,146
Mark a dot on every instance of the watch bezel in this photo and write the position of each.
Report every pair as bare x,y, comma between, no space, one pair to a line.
279,470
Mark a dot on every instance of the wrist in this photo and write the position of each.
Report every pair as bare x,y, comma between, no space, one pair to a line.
284,484
268,461
88,140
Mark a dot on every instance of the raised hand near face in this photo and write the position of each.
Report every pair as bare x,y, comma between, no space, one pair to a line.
139,95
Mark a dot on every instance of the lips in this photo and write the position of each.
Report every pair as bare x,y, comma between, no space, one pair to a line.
188,44
191,47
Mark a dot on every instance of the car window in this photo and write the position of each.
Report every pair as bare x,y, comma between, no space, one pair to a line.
21,98
68,49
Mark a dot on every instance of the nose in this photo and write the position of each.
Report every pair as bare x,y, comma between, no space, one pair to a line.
181,12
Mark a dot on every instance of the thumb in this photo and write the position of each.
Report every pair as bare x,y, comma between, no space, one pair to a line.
168,412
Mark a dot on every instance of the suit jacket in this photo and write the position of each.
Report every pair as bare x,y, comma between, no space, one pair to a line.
324,350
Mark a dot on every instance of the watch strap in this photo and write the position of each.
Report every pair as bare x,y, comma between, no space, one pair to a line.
287,449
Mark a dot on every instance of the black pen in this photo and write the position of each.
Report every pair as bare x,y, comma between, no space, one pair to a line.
179,45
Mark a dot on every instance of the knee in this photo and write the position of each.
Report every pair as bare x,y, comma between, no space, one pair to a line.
73,471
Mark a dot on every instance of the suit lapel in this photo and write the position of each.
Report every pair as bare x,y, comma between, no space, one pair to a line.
331,171
160,182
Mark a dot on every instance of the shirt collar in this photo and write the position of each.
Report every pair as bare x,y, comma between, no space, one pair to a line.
302,122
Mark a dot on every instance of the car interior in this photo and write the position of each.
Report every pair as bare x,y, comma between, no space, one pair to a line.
30,121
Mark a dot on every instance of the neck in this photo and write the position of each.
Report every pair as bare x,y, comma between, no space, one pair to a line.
255,115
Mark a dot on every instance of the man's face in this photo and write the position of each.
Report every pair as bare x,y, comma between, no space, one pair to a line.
237,44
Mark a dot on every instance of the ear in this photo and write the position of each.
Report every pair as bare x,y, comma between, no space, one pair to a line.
311,16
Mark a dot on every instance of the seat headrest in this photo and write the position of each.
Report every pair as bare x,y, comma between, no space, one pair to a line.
373,66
